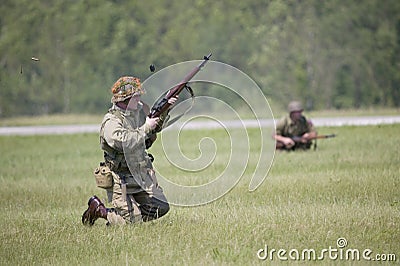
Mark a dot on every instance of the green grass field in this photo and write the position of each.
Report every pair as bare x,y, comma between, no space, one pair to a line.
347,188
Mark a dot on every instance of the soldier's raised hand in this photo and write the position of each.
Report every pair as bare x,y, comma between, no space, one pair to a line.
152,122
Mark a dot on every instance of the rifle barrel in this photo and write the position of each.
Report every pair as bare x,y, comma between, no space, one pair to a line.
325,136
299,139
158,108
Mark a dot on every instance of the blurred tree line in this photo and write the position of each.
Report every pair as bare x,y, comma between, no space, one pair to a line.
330,54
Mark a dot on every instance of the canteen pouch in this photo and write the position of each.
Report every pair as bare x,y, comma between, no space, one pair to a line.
103,176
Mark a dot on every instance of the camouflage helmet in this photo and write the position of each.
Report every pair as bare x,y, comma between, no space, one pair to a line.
126,87
295,106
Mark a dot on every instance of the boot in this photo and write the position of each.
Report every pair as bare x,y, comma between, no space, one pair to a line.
95,210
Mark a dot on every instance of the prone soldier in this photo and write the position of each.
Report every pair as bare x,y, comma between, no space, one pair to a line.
294,131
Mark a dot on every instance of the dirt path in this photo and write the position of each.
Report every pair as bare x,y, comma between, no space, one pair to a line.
326,121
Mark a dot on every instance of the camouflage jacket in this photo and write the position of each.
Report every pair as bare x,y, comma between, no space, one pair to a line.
122,137
288,128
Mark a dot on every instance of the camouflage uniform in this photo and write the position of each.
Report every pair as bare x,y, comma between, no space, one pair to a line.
135,193
126,131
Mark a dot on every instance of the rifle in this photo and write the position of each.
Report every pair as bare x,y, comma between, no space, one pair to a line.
298,139
162,107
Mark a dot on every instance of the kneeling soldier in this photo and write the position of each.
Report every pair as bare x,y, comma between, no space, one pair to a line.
133,188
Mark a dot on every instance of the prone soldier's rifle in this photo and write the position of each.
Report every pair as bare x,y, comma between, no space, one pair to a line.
299,139
161,108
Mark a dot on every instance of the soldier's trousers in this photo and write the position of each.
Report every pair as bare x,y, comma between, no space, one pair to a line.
137,204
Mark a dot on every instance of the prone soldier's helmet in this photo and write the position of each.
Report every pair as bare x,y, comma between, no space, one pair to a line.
126,87
295,106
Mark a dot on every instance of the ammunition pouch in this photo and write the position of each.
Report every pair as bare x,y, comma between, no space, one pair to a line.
103,176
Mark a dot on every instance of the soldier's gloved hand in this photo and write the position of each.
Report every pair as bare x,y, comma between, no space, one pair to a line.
288,142
163,119
152,123
173,100
305,138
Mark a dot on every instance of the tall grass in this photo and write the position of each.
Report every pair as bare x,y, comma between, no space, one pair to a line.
348,187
